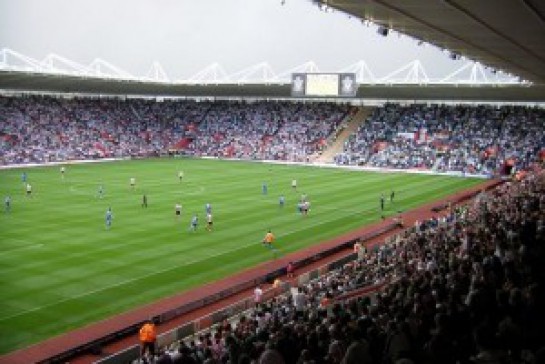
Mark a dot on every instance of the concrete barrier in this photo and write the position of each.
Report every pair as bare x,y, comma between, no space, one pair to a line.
125,356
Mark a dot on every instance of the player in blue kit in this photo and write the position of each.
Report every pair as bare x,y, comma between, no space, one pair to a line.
109,218
281,201
194,223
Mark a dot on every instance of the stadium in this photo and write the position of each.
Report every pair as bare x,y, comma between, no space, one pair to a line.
386,210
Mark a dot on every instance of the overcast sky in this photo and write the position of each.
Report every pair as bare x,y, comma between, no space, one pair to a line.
187,35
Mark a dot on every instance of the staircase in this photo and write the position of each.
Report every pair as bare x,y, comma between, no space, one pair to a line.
352,125
135,113
436,163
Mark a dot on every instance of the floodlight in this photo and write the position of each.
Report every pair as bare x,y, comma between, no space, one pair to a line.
382,31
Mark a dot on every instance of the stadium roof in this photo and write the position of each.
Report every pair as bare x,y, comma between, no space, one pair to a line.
505,35
43,83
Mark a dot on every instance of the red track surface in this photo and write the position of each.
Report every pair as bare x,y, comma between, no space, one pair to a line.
56,345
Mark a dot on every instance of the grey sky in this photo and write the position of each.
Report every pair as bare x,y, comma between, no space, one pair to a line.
187,35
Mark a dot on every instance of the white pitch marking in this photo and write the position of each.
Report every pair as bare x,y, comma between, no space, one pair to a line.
20,248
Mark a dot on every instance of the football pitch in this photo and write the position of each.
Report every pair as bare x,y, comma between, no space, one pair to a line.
61,268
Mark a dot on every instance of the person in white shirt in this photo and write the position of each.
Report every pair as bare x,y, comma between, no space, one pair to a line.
300,301
178,210
209,222
258,296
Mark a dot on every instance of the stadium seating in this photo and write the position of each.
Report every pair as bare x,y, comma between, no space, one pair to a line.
464,287
472,139
38,129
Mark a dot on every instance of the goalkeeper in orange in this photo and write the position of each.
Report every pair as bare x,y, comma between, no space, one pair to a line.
268,240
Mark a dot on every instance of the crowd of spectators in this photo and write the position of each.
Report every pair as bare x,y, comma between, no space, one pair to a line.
267,130
472,139
38,129
463,287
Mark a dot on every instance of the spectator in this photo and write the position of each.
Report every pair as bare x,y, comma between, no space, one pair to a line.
459,288
290,270
148,336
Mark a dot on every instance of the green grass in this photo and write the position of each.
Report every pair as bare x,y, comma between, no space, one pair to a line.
61,269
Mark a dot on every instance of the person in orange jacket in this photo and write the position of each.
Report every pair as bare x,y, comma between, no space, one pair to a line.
148,336
268,239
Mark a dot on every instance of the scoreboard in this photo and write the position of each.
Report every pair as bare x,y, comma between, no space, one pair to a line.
323,85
